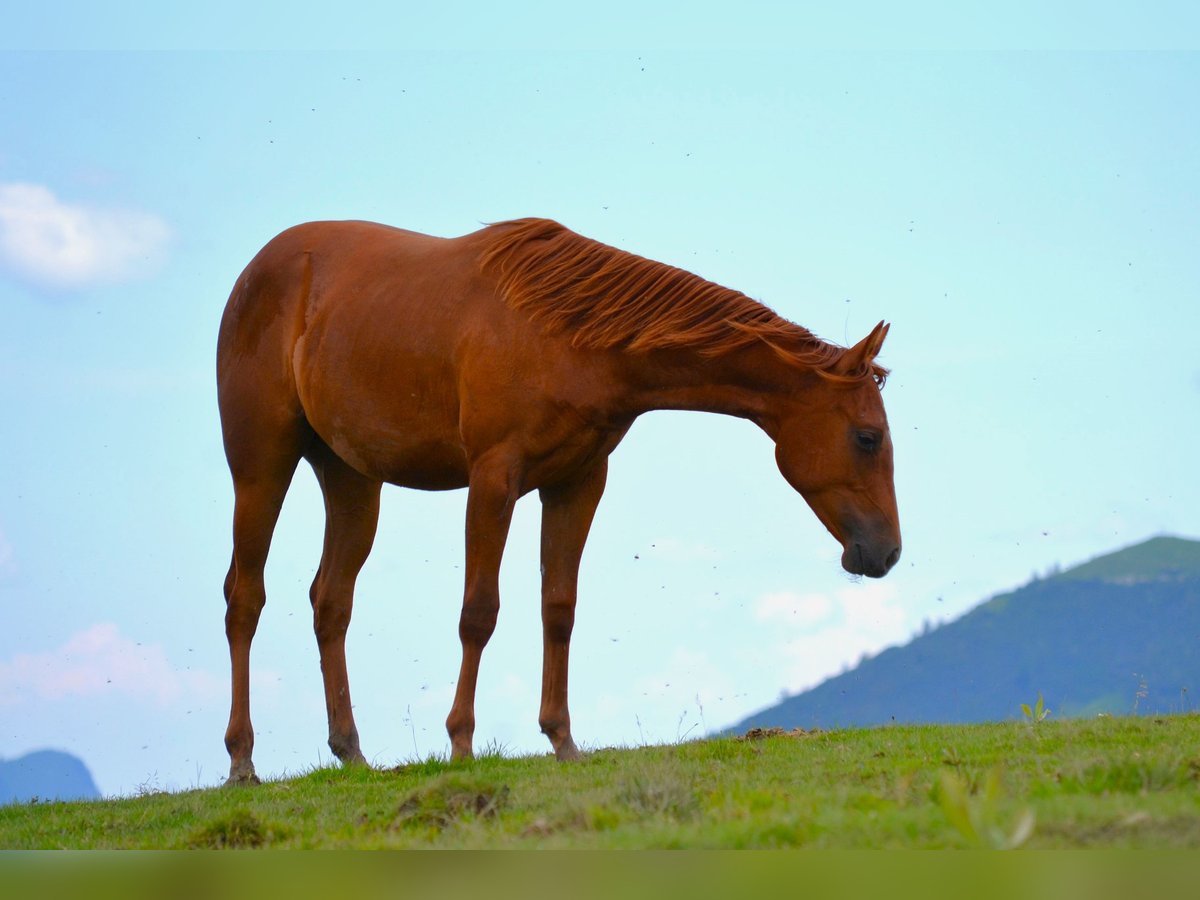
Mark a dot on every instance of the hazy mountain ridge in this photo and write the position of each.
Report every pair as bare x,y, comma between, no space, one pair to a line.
1117,634
45,775
1158,559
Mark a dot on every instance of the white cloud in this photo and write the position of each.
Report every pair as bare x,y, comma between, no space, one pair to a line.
860,619
869,608
52,244
98,661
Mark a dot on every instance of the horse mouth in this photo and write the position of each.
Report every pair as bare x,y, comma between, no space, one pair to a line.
856,561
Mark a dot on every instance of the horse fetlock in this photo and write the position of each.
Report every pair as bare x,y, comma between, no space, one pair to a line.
347,750
461,729
239,739
558,730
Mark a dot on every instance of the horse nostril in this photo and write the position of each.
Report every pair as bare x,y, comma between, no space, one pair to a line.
893,557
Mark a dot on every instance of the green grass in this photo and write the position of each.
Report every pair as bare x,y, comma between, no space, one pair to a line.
1104,782
1160,557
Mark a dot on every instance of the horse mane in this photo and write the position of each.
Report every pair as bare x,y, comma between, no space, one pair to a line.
607,298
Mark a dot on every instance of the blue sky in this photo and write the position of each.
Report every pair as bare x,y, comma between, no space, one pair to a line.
1025,215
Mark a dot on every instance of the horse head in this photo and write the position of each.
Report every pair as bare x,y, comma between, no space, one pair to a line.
834,447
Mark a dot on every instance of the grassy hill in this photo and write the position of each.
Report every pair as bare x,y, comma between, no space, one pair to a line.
1100,782
1119,634
1158,559
1092,781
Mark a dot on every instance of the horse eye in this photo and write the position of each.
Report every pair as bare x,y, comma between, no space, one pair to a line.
867,440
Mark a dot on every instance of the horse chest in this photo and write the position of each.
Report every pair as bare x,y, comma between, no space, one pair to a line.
571,445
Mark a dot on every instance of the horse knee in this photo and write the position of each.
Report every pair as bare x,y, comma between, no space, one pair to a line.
478,619
314,590
558,620
243,607
331,618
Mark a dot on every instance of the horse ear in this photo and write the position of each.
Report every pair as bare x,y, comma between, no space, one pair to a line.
861,354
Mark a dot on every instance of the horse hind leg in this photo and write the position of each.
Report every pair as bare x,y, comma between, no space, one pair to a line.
257,501
265,434
351,518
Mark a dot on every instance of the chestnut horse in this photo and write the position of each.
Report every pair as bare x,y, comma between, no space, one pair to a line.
508,360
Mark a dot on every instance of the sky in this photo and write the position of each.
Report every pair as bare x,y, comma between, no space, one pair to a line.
1020,198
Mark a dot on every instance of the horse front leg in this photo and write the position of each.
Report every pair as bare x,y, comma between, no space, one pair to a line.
567,513
492,493
351,517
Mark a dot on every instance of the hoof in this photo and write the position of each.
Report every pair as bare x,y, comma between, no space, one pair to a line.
567,751
242,776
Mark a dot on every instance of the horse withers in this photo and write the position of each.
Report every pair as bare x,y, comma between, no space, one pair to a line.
504,361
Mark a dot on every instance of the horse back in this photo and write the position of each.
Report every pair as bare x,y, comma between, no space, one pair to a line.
361,330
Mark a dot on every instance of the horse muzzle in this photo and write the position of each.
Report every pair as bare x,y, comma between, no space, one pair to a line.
871,558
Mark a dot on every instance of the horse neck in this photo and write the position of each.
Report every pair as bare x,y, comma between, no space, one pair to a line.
750,383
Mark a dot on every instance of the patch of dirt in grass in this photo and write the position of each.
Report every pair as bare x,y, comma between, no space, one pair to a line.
449,799
652,796
238,829
758,734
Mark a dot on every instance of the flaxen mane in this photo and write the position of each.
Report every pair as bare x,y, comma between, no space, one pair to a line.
610,299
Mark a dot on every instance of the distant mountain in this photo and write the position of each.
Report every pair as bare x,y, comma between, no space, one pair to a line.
1118,634
46,775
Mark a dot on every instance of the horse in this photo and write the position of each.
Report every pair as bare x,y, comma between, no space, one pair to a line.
511,359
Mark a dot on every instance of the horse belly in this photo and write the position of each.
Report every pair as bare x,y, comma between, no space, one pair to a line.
390,414
422,461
